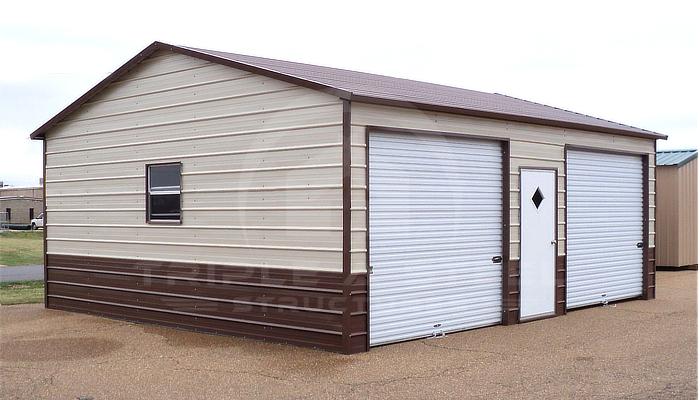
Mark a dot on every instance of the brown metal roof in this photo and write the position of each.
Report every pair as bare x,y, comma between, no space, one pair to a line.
379,89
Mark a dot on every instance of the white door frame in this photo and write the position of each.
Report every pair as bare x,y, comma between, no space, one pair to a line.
542,310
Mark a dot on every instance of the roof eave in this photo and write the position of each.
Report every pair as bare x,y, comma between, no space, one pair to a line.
507,117
682,162
39,133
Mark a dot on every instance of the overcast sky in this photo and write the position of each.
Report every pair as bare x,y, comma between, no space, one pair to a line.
631,62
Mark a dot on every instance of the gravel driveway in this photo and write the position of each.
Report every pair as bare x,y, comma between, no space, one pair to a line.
634,350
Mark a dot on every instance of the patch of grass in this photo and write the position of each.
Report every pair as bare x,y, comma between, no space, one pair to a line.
22,292
21,247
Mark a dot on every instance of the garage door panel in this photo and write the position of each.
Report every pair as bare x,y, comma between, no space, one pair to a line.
604,224
435,224
395,332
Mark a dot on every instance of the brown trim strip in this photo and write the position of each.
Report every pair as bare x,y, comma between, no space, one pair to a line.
347,187
565,278
46,298
560,293
647,285
352,301
510,284
367,208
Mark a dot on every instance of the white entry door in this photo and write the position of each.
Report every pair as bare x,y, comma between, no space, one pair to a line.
538,242
435,235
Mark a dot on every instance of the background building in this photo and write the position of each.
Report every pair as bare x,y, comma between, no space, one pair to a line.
18,205
677,208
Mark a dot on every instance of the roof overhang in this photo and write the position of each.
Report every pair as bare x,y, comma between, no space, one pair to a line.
506,117
39,133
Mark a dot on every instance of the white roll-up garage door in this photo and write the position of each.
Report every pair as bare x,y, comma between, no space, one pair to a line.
605,224
435,225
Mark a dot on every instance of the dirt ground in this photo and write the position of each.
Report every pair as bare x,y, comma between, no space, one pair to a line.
634,350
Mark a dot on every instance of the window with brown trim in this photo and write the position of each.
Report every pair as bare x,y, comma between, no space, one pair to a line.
163,188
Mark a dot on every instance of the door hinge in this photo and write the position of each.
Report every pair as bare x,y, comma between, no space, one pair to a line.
371,269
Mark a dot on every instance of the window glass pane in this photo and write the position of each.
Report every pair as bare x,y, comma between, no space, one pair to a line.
165,206
164,177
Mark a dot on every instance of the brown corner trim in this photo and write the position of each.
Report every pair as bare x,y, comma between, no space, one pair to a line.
510,282
46,297
347,235
369,271
647,287
565,258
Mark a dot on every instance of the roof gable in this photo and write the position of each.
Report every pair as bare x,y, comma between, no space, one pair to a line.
377,89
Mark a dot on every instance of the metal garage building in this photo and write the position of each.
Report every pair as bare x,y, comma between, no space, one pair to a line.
333,208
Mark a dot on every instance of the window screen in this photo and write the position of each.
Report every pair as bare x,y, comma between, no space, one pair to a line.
163,196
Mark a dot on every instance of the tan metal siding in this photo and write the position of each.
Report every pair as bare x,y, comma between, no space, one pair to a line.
262,169
688,218
530,146
677,215
667,244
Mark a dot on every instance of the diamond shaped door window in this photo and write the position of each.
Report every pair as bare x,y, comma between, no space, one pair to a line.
537,198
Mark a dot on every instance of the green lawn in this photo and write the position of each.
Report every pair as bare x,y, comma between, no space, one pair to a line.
21,247
21,292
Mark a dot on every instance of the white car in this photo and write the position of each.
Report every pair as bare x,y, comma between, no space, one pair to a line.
38,222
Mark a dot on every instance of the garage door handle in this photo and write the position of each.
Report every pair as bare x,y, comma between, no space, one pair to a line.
497,259
640,245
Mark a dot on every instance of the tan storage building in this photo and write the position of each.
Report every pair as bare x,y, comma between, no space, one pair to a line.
677,208
336,209
19,205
